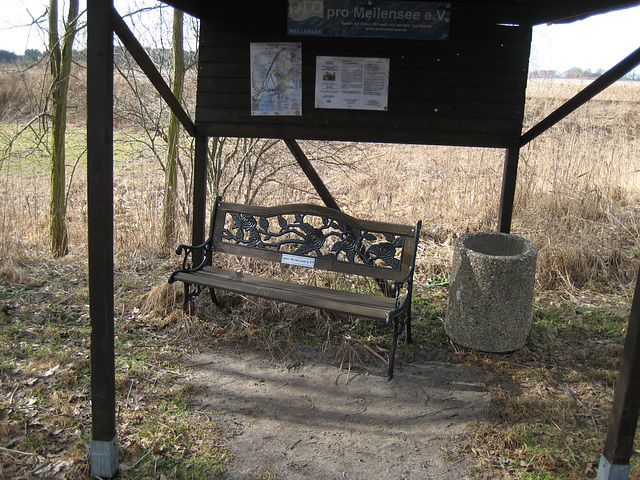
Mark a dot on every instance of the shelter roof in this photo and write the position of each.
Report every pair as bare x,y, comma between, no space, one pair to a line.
540,11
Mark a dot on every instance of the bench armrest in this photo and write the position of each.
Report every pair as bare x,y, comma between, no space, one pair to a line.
402,303
405,304
189,251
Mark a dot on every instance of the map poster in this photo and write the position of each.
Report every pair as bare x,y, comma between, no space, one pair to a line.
370,19
276,78
352,83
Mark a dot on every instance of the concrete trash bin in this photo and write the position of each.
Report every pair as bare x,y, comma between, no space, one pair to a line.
491,291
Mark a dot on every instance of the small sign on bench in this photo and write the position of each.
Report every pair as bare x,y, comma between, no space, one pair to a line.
298,260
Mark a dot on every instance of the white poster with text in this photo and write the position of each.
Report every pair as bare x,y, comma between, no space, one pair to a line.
352,83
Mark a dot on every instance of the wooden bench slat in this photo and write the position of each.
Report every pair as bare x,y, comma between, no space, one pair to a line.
363,305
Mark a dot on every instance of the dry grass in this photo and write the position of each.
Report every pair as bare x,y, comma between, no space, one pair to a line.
579,190
551,400
578,199
20,92
577,195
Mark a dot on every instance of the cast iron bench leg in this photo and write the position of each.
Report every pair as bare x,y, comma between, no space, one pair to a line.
187,297
214,298
392,355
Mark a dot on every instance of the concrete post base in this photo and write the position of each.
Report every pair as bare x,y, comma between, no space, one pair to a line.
607,471
104,458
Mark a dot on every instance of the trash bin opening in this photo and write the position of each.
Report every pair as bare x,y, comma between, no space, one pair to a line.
496,244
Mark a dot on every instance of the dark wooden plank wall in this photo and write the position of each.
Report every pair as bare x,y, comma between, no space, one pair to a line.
468,90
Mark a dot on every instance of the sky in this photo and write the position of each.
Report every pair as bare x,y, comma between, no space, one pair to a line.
596,43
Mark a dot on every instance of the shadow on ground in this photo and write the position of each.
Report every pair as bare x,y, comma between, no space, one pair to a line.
306,419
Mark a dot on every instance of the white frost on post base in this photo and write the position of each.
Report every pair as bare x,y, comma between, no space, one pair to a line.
104,458
607,471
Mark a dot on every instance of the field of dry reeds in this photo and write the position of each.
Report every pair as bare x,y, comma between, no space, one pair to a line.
577,196
577,199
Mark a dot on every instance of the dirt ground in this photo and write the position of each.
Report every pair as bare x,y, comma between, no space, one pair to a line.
309,419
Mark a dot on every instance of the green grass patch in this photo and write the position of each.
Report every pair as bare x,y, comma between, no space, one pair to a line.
45,361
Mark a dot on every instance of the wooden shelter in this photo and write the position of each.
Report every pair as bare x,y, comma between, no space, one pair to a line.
446,73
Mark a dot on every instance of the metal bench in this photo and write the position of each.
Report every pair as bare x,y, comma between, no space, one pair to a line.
310,236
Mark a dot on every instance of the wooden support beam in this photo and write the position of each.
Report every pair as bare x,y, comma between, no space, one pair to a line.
590,91
104,445
311,174
146,64
618,446
199,194
507,197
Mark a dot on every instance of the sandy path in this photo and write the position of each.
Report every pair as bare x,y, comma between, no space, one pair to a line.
296,421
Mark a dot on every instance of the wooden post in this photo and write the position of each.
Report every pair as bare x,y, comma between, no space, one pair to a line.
614,463
508,189
199,194
104,443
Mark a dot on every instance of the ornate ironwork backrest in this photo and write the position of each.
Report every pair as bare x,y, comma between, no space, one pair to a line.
334,240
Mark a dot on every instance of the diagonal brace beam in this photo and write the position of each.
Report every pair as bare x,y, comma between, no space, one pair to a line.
594,88
324,193
311,174
140,56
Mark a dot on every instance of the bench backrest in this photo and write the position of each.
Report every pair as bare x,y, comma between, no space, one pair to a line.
315,236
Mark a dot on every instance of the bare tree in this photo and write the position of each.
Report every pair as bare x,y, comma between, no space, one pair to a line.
60,66
169,214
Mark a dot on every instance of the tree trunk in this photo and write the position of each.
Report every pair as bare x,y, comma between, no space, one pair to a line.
169,216
60,64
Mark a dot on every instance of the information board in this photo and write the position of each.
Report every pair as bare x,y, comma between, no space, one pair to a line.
465,86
